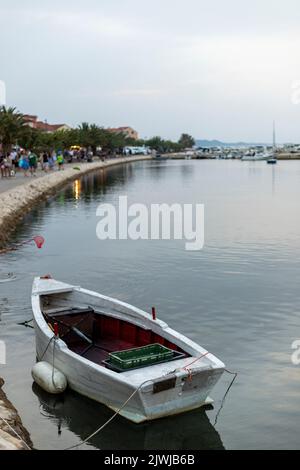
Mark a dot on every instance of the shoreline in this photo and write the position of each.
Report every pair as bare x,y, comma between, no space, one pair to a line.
18,201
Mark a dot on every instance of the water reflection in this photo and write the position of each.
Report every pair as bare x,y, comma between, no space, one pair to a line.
77,189
80,415
240,293
86,189
90,186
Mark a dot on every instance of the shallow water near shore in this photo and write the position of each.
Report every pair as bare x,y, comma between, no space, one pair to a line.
238,297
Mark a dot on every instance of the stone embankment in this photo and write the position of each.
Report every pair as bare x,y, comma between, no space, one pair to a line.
13,435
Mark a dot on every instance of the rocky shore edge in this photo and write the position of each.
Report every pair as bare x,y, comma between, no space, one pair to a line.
13,435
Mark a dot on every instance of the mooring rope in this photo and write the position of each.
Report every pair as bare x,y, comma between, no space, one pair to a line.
195,360
134,393
42,356
9,278
15,432
226,393
111,418
26,323
38,240
53,359
108,421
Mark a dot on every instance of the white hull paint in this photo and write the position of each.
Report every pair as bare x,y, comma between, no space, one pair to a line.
192,386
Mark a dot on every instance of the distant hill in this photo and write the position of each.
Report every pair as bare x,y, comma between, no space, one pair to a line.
219,143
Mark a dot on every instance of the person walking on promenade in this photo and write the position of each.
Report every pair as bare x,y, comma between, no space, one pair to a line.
51,162
60,161
14,160
3,167
24,163
32,159
54,157
10,165
6,166
90,155
45,164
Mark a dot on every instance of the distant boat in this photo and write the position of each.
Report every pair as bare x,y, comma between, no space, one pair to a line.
272,160
115,353
254,157
158,156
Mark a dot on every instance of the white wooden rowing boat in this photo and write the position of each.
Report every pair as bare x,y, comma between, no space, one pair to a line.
92,327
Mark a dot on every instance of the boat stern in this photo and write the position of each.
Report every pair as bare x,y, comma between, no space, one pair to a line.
178,391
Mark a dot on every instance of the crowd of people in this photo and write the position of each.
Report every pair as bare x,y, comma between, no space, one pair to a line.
28,161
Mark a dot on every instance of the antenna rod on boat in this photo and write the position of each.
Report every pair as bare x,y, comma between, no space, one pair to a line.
274,136
153,313
56,332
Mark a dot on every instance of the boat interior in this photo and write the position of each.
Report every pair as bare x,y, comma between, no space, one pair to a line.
94,335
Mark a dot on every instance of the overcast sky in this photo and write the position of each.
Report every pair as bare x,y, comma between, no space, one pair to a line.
216,69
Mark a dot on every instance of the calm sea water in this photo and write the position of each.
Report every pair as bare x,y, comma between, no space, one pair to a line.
238,297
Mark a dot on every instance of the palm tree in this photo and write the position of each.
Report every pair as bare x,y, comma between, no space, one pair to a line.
11,127
91,135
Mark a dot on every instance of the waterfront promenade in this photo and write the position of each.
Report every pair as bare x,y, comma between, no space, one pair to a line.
9,183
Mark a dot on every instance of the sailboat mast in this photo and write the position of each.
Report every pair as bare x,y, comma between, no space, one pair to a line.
274,136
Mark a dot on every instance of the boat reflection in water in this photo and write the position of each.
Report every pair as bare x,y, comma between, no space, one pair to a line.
189,431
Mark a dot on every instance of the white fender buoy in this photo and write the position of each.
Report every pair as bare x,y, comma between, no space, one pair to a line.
51,381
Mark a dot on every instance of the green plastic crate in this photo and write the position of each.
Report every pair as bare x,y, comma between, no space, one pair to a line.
138,357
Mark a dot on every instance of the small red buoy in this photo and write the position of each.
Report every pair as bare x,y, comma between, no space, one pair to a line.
39,241
55,327
153,313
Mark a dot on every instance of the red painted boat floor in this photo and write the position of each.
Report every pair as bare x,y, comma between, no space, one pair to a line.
93,335
96,355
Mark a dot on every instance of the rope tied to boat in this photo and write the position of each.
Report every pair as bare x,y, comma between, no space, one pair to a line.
76,446
26,323
15,432
9,277
226,393
54,338
189,371
190,378
42,356
38,240
110,419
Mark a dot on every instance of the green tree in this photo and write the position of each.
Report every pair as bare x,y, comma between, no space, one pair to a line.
29,138
91,135
163,146
11,127
116,141
156,143
186,141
